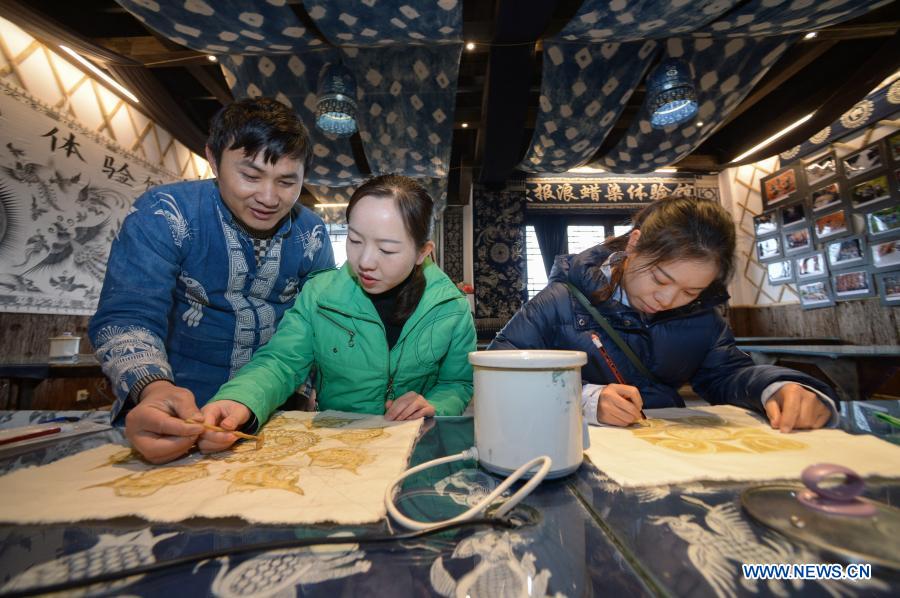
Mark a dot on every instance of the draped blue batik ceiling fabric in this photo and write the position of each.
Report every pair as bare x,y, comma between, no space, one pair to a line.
386,22
574,116
782,17
621,20
225,26
292,80
725,71
880,104
404,55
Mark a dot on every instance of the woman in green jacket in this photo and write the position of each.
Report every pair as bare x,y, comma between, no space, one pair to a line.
389,332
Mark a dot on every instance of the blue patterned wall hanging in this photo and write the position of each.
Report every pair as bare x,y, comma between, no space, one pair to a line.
879,104
498,231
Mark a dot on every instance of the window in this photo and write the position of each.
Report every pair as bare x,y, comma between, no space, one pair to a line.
583,237
338,235
534,265
580,237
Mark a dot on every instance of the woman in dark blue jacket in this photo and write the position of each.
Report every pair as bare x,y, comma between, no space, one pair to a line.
659,287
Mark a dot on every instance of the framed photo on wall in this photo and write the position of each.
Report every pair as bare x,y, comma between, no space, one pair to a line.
780,187
780,272
889,287
845,253
852,284
810,266
866,159
826,197
884,222
815,294
870,191
820,168
793,215
894,146
768,249
831,225
766,223
885,254
797,240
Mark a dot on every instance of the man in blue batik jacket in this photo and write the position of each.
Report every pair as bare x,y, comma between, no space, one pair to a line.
202,272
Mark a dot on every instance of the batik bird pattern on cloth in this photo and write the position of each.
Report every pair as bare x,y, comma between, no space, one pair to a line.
726,443
309,468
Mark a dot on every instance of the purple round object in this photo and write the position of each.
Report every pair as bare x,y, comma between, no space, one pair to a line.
837,500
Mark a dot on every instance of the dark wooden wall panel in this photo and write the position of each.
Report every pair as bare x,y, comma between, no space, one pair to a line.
27,335
863,322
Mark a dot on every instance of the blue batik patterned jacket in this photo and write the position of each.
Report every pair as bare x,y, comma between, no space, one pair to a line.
183,298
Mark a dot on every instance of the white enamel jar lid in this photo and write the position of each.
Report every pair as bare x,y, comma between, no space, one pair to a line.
528,359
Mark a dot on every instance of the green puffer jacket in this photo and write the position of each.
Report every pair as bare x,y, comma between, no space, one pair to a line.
334,325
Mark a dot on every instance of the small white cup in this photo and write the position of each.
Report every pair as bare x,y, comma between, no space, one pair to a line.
64,347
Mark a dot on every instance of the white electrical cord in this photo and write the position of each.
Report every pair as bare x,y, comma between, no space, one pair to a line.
544,461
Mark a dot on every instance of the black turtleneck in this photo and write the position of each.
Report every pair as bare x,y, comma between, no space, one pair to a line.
385,304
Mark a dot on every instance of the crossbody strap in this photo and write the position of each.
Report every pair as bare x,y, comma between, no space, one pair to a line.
610,331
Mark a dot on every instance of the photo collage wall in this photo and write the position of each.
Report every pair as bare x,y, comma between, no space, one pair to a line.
831,225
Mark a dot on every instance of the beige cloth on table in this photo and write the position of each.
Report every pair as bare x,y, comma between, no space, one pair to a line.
311,467
725,443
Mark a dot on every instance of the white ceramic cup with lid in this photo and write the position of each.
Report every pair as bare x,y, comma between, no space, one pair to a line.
64,347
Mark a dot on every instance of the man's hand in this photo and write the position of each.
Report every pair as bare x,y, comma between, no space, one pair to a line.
796,408
411,405
156,427
226,414
619,405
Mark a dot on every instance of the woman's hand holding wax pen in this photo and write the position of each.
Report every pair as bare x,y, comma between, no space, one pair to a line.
619,405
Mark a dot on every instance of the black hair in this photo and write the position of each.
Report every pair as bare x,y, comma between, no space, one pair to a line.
678,228
416,209
259,124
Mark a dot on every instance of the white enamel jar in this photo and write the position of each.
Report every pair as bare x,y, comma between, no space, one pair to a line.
528,404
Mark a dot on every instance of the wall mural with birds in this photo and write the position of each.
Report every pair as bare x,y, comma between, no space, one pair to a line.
64,191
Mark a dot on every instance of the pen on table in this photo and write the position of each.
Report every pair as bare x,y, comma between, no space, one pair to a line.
612,364
38,433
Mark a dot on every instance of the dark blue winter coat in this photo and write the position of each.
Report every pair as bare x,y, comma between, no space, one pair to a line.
691,344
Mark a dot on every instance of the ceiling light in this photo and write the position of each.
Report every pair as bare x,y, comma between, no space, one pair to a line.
470,46
91,67
780,133
336,106
699,123
331,205
465,125
587,170
671,97
211,58
666,170
810,35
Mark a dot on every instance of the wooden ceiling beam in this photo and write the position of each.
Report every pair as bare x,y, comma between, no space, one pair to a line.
212,84
150,51
805,59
